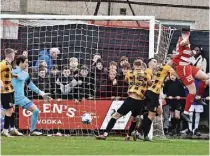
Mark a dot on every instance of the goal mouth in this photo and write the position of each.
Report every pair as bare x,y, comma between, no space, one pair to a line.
79,40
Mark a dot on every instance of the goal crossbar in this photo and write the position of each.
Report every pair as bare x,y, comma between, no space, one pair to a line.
151,20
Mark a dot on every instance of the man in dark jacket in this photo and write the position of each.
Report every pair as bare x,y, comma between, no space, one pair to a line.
174,88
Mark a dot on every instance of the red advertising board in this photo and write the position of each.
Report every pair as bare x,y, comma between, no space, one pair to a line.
66,114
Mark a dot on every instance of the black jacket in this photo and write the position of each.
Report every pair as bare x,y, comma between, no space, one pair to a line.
174,88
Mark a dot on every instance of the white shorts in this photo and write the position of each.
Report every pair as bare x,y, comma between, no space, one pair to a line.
196,108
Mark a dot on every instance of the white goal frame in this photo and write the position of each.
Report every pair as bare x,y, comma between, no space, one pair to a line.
151,20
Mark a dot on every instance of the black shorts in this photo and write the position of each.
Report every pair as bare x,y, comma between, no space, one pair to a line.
133,105
176,106
7,100
152,101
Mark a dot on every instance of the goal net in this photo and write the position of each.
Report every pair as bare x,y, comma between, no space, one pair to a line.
74,58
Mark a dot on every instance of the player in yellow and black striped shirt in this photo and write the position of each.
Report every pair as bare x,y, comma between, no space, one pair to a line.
152,96
137,80
7,93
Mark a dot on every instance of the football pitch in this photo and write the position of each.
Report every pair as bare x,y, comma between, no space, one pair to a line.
89,146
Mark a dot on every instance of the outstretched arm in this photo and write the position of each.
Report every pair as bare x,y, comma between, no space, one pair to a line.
35,89
32,86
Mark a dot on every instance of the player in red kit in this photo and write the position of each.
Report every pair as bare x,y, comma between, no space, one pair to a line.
187,72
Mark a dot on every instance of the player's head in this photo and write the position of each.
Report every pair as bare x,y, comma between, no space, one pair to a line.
54,53
152,63
84,71
123,60
66,71
172,77
99,64
125,68
185,32
112,74
42,72
73,62
22,62
137,64
113,65
9,54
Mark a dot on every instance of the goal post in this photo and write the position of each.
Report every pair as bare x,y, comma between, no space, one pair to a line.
151,20
76,37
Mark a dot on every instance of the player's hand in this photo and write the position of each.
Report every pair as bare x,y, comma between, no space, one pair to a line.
14,76
170,97
114,82
45,95
178,97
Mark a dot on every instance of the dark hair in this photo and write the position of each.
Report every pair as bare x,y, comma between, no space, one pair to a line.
185,29
54,67
113,63
137,62
20,59
66,68
126,65
123,58
100,61
42,69
84,67
149,60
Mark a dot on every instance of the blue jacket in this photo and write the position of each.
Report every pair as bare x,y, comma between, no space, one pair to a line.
44,55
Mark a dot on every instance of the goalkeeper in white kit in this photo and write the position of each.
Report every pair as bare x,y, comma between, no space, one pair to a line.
21,78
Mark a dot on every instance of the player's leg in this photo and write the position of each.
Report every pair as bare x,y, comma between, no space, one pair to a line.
8,105
131,128
152,101
13,130
191,110
137,109
177,121
189,100
198,110
123,110
34,118
186,74
200,75
166,115
7,119
173,122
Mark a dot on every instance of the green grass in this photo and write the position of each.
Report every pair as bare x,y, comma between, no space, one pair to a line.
90,146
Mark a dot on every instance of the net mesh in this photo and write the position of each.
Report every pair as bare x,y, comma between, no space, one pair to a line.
60,52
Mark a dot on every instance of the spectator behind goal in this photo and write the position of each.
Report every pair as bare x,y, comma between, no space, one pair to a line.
198,59
174,88
47,57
